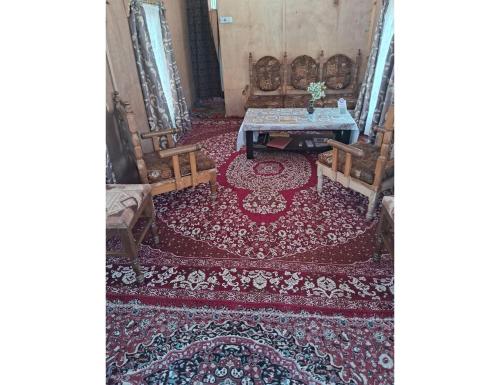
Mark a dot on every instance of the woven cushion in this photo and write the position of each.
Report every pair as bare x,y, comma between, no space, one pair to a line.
264,101
388,203
297,101
122,203
162,168
362,168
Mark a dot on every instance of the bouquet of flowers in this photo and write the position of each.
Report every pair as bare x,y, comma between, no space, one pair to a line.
317,90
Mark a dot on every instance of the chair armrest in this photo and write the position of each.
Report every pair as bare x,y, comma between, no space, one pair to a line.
154,134
347,148
379,129
179,150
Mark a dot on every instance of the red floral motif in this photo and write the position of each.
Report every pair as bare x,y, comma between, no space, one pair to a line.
249,219
364,288
268,168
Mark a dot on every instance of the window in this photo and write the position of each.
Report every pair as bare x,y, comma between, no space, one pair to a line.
154,30
385,43
212,4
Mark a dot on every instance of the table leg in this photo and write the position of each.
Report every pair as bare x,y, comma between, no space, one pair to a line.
249,144
346,136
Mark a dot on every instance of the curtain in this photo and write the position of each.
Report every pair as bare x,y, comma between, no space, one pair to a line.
204,61
377,89
110,175
153,83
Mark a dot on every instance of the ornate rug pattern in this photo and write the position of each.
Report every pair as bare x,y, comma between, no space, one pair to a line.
271,283
180,345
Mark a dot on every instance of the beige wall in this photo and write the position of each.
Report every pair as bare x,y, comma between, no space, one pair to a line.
121,60
271,27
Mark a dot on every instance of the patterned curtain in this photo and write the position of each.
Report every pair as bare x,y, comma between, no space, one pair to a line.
206,72
110,175
159,116
386,93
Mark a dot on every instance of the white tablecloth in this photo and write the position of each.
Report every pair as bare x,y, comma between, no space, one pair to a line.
295,119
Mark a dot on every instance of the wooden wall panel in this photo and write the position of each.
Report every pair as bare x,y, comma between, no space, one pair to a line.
270,27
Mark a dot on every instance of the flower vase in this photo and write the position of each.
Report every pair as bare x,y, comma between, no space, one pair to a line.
310,108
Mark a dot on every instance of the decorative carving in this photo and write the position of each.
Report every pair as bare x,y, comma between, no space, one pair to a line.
338,72
268,74
304,70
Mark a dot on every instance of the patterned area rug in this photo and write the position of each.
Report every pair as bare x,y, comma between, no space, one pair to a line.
271,283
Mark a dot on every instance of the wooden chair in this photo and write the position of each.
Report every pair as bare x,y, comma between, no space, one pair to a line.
302,71
125,205
340,74
365,168
174,168
266,83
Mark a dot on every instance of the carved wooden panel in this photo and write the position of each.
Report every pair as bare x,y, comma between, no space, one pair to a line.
338,72
267,72
304,70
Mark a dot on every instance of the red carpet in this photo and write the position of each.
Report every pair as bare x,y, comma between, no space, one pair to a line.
268,242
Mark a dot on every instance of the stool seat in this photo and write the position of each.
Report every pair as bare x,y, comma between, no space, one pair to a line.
388,203
122,203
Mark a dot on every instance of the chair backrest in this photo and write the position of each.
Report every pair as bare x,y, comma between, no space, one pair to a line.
340,73
128,128
302,71
266,75
385,137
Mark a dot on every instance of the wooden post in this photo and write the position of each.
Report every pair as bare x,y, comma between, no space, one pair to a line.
194,172
250,72
284,74
335,162
347,168
177,172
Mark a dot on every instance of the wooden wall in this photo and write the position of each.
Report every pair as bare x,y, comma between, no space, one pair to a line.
271,27
120,60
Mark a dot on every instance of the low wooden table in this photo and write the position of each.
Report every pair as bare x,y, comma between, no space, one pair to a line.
125,205
258,120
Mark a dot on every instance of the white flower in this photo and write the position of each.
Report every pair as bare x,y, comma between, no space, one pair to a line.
317,90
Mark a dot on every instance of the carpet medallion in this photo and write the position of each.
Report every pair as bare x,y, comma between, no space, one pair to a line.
271,283
180,345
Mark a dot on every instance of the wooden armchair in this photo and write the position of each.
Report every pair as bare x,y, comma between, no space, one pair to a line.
174,168
365,168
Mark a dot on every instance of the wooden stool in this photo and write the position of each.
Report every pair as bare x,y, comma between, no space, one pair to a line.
125,204
385,232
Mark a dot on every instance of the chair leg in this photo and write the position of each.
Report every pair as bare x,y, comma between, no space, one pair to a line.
372,200
128,243
379,241
150,213
319,186
213,185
